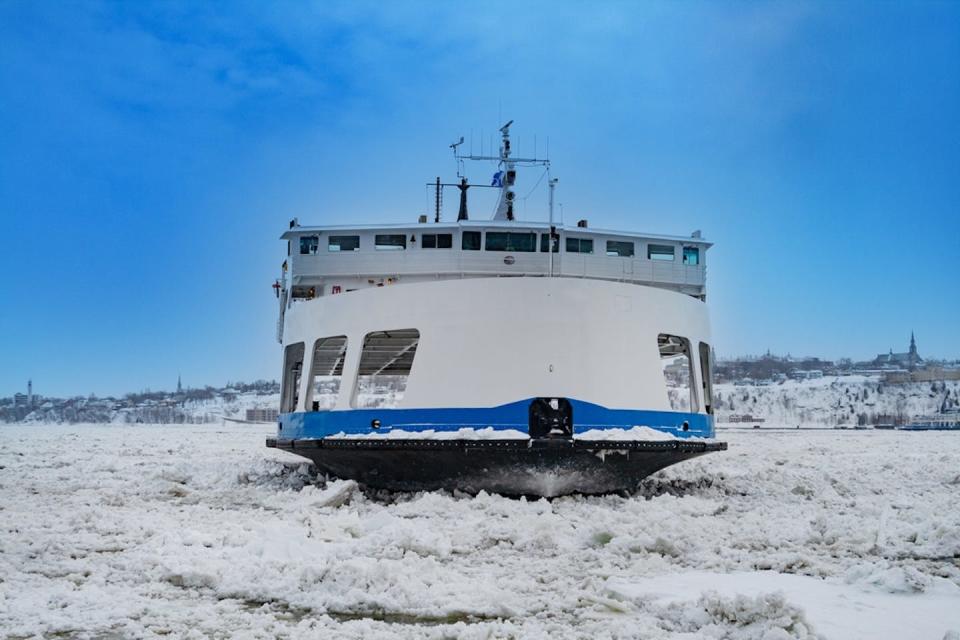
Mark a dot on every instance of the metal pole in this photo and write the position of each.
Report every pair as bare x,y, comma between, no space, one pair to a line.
436,217
552,182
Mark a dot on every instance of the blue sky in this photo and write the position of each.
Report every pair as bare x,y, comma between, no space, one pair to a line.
151,154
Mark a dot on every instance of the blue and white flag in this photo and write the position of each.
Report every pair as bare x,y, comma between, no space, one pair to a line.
497,179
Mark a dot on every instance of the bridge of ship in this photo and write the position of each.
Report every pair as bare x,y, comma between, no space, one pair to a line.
335,260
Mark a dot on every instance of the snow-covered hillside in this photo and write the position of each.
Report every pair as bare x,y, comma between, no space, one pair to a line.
847,400
823,402
198,531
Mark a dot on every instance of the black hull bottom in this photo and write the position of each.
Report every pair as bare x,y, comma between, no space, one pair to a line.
512,467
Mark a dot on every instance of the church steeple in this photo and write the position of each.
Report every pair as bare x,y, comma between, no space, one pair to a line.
179,385
913,345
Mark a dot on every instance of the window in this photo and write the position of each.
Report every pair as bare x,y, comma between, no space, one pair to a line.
385,364
545,242
390,242
510,241
292,368
579,245
309,245
303,292
691,255
326,372
660,251
470,241
621,248
678,372
436,241
343,243
706,374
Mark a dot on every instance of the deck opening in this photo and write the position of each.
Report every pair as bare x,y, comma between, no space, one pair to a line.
385,364
677,366
326,372
292,370
706,376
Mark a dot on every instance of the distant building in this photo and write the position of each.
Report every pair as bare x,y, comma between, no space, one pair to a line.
179,385
909,360
262,415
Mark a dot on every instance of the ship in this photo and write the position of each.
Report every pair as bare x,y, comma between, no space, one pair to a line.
504,355
946,420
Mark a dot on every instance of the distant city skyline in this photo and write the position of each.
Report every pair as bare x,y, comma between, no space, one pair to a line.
154,153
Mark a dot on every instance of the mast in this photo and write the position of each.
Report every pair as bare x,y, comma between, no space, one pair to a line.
506,176
553,230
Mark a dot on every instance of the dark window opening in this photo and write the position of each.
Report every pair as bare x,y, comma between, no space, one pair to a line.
579,245
660,251
470,241
437,241
691,255
620,248
309,245
510,241
300,292
545,242
390,242
343,243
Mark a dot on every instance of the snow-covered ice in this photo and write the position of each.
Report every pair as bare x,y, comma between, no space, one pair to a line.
116,531
638,434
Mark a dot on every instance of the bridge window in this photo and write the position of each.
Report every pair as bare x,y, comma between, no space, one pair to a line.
579,245
660,252
471,241
706,373
292,369
545,242
390,242
691,255
309,245
620,248
677,365
385,364
343,243
436,241
326,372
509,241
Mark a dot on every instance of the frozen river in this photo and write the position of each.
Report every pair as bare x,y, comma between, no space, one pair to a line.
200,531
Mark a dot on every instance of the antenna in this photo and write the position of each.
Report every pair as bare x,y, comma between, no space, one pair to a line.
507,163
455,156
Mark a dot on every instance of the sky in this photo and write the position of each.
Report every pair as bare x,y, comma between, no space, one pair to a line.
152,153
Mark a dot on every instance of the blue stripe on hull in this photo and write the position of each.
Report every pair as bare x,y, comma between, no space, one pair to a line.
586,415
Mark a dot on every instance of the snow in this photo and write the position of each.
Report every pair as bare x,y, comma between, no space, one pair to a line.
840,612
645,434
199,531
466,433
